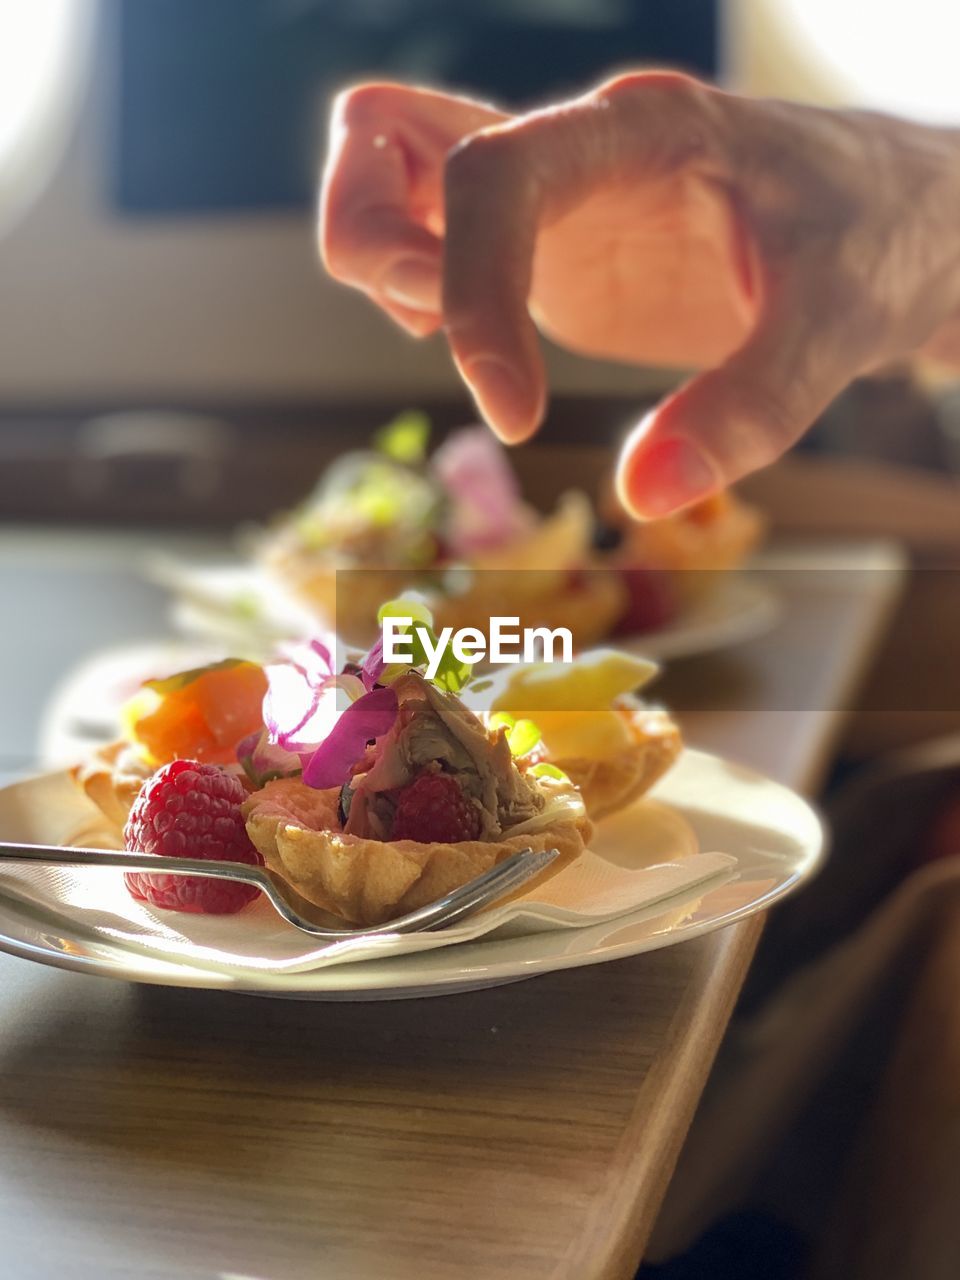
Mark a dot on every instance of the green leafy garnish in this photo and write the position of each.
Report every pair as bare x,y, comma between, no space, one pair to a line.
522,735
246,605
406,607
546,770
405,439
375,497
452,675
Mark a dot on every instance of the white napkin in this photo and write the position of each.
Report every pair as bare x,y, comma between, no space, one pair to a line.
640,859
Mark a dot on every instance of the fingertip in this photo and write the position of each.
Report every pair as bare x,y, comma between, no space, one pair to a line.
511,402
419,324
624,477
415,282
658,473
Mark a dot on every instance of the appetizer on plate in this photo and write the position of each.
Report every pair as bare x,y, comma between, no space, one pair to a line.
593,726
430,804
391,518
669,565
371,788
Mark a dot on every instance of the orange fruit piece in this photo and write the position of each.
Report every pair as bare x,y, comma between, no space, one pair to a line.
197,715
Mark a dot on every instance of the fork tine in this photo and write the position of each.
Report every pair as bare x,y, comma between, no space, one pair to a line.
477,893
512,879
488,887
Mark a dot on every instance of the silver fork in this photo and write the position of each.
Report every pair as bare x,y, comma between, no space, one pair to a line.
492,885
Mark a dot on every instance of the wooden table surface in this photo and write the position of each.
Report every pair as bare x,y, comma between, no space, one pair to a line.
527,1131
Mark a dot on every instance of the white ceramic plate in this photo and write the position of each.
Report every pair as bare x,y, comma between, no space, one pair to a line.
83,711
739,608
775,836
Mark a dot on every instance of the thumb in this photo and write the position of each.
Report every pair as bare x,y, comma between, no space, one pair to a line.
736,418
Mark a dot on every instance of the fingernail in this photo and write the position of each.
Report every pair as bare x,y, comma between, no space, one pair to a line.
501,393
413,282
665,476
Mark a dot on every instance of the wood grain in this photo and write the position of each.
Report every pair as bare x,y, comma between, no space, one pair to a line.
483,1135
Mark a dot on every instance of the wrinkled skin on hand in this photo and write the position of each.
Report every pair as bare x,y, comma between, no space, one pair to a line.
784,249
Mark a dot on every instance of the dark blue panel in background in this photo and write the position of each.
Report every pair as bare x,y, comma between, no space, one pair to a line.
221,102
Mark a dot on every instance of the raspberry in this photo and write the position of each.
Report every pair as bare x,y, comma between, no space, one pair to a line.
434,808
650,601
190,810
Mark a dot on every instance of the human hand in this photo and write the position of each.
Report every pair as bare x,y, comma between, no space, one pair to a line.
785,248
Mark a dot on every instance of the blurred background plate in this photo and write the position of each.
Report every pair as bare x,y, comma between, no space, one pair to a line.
738,608
243,605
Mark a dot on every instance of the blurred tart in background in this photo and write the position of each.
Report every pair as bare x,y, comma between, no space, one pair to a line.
593,725
452,525
669,564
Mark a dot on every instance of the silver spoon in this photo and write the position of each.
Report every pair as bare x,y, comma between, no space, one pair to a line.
500,880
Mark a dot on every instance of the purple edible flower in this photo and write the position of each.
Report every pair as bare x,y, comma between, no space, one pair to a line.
371,716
